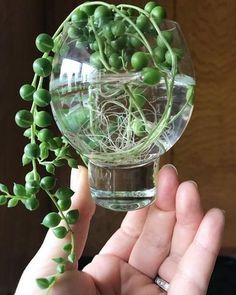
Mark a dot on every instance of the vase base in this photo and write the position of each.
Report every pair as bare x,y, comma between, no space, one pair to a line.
124,200
123,188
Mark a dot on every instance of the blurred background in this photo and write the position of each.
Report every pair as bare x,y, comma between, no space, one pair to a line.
205,153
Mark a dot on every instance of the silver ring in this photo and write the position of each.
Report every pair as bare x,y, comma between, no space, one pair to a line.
164,285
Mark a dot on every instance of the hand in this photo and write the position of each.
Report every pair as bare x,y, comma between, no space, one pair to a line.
172,239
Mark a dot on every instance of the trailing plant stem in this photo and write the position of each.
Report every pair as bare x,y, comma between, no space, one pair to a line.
52,197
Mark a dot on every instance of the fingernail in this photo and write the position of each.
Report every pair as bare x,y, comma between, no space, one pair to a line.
171,166
193,182
74,178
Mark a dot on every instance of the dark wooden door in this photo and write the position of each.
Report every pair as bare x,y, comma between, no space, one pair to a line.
19,232
206,152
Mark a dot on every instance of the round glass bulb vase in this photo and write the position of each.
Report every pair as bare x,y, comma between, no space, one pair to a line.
122,97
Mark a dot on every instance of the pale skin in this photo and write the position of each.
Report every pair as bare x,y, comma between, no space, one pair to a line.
173,238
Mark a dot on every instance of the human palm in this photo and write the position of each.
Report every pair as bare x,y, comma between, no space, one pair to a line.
172,239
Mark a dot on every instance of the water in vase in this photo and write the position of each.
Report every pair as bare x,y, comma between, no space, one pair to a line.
123,126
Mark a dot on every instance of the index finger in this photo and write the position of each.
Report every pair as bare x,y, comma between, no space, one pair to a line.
124,241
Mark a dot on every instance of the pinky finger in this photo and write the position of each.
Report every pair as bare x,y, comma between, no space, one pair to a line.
196,266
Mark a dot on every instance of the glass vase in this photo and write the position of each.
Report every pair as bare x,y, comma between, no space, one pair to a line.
119,115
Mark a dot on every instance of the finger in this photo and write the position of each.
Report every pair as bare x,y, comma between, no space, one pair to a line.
153,244
189,215
84,203
195,269
167,184
123,240
81,200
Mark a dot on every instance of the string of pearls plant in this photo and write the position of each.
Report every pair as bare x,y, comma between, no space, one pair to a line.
50,151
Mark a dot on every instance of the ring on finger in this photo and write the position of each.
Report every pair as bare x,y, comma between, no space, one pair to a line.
164,285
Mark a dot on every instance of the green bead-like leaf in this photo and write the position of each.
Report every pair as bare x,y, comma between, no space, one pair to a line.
60,232
73,32
64,204
53,145
42,67
63,152
149,6
79,17
135,41
3,188
31,203
119,43
177,52
118,28
27,133
61,268
44,152
43,119
42,97
159,54
167,35
26,160
50,168
142,22
45,135
51,220
72,216
48,182
138,127
44,42
32,151
71,258
158,13
19,190
31,176
67,248
107,33
115,61
24,118
3,200
69,154
72,163
32,186
64,193
43,283
151,76
27,91
139,60
89,9
58,163
58,141
12,203
102,14
95,60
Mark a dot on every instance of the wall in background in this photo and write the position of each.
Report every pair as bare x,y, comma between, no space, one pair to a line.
206,152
